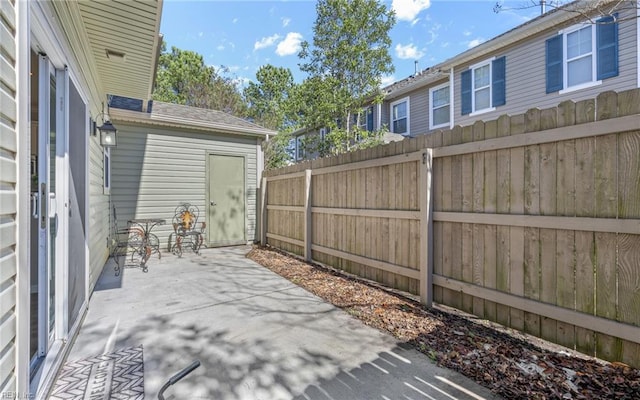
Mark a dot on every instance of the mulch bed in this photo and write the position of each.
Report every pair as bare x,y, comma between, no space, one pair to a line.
511,364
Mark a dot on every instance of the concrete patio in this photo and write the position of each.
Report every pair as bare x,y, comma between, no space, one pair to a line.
257,335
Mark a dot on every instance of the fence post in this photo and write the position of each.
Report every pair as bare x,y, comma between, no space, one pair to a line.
263,212
307,215
426,227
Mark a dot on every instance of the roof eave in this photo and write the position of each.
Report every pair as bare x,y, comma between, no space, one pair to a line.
118,115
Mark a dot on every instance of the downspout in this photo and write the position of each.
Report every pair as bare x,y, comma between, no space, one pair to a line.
452,101
638,40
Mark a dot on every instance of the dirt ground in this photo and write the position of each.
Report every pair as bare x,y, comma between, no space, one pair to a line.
511,364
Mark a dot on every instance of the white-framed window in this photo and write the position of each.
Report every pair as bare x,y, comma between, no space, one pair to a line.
300,150
439,106
579,56
582,55
483,86
400,116
323,133
106,165
366,119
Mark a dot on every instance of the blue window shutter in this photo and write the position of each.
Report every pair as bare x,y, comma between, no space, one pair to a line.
607,42
499,82
554,64
465,92
370,119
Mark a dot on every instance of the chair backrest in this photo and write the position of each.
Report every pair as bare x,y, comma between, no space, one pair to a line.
185,217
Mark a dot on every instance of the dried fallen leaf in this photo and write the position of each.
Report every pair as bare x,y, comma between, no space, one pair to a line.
492,359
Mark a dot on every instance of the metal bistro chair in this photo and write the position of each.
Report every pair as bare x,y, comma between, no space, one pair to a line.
187,231
124,240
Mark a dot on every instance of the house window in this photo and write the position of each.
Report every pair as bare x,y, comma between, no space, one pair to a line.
291,149
484,86
107,169
400,116
366,119
582,55
300,153
439,106
580,60
323,133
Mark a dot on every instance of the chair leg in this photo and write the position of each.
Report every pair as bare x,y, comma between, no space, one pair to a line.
177,247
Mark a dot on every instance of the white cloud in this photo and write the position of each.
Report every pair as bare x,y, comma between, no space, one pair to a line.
408,10
466,33
200,34
266,42
409,51
475,42
290,45
286,22
220,47
433,32
235,20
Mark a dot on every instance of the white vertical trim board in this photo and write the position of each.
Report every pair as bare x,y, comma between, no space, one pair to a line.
452,100
638,40
23,187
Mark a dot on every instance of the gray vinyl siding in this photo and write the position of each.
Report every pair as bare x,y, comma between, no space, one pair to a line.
418,110
155,169
525,74
98,212
8,197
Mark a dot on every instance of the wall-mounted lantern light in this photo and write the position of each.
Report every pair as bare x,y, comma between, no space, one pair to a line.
108,134
107,130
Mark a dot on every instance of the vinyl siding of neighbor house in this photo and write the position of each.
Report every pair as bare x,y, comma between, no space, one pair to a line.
419,108
525,75
155,169
8,196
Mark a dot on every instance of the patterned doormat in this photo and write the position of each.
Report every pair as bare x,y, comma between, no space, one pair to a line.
118,375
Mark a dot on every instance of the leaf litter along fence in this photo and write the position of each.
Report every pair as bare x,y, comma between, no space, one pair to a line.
531,221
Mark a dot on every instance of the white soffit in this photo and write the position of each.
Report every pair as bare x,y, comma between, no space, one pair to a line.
124,40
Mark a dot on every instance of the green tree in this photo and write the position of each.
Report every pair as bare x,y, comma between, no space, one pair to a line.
349,56
184,78
269,99
276,150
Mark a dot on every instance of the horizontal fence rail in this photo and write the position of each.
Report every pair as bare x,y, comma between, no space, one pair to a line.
532,221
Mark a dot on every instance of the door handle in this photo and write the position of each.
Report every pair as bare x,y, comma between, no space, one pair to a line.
213,203
43,205
34,205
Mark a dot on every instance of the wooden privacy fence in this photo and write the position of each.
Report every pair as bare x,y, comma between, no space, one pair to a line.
532,221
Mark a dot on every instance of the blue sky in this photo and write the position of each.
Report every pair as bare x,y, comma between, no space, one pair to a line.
244,35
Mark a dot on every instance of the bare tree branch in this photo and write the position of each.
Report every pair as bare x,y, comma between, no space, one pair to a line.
589,10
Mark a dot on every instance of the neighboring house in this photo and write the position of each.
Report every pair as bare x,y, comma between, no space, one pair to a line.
60,62
558,56
561,55
172,153
304,142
